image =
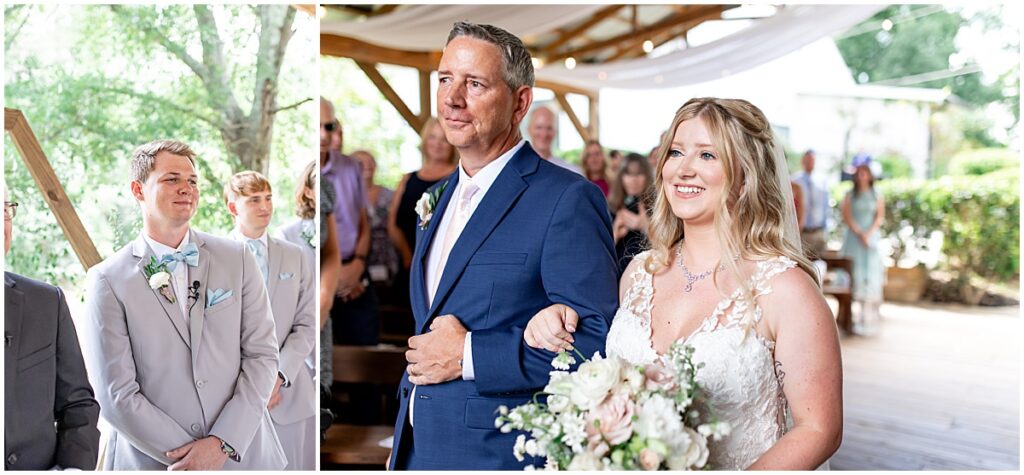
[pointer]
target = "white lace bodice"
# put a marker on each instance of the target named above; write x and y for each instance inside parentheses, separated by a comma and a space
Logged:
(739, 377)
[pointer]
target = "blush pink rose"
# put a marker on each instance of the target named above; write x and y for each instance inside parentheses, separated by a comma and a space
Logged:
(615, 414)
(659, 378)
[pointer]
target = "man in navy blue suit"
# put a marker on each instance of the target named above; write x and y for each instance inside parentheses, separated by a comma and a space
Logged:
(503, 237)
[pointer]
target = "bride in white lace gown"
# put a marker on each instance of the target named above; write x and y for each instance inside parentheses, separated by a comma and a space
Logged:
(757, 321)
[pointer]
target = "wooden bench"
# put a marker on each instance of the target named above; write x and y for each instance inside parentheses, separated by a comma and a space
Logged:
(358, 445)
(842, 293)
(355, 445)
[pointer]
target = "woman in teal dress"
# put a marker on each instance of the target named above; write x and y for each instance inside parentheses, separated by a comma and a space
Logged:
(863, 211)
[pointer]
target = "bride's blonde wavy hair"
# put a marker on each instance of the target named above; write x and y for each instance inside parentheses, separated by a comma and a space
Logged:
(750, 219)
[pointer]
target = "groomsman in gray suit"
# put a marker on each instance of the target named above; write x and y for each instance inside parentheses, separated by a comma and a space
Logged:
(50, 414)
(179, 338)
(292, 286)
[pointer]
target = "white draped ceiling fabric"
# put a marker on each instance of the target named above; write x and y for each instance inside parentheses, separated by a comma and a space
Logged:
(425, 28)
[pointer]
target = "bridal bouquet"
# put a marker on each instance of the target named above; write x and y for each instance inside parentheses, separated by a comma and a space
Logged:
(612, 415)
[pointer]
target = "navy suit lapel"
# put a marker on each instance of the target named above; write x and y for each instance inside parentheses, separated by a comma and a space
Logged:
(418, 274)
(500, 198)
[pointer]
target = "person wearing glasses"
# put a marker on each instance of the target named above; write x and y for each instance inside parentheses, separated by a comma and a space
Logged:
(50, 412)
(354, 314)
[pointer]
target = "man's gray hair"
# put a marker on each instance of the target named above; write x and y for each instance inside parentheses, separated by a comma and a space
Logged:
(518, 67)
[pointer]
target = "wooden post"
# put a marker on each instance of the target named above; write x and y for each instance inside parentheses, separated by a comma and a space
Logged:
(560, 96)
(592, 124)
(382, 84)
(53, 192)
(425, 109)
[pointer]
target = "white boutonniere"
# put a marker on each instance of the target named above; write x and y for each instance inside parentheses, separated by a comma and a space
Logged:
(427, 203)
(159, 278)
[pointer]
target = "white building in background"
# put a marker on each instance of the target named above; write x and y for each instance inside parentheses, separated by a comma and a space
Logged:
(810, 98)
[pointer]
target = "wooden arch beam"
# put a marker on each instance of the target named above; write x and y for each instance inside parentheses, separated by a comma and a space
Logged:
(53, 192)
(699, 12)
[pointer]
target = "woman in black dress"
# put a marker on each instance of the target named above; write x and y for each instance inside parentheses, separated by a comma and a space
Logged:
(439, 160)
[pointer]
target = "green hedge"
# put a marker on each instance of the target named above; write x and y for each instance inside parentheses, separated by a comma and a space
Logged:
(979, 217)
(983, 161)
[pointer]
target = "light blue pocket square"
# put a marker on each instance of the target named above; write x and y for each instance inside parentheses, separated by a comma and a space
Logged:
(214, 297)
(285, 275)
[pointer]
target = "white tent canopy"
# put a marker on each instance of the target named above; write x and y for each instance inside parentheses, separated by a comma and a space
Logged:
(425, 28)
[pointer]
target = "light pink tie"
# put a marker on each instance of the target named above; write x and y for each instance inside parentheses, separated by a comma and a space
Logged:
(452, 234)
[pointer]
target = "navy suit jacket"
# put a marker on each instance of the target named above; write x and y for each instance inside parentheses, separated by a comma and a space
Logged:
(541, 235)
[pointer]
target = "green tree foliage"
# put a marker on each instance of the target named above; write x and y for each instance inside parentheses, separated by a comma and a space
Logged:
(922, 40)
(92, 88)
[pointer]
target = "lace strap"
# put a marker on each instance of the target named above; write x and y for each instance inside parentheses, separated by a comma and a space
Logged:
(738, 310)
(638, 296)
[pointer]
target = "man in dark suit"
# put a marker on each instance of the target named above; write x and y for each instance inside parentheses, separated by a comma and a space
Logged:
(50, 413)
(503, 237)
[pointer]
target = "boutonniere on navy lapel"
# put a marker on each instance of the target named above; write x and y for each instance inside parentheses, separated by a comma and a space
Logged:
(427, 203)
(159, 278)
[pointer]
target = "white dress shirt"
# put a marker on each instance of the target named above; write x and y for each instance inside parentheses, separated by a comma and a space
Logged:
(483, 179)
(179, 276)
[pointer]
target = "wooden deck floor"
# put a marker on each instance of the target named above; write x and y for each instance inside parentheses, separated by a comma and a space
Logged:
(937, 389)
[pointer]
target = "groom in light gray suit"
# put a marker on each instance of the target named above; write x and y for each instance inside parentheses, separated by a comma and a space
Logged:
(291, 285)
(179, 338)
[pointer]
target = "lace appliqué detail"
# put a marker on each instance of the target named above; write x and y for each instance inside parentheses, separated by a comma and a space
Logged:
(740, 377)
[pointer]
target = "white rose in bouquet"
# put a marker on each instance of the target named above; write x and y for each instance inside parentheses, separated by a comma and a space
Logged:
(593, 380)
(586, 461)
(658, 418)
(692, 451)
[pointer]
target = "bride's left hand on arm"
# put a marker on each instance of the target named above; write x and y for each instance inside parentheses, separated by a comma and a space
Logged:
(551, 329)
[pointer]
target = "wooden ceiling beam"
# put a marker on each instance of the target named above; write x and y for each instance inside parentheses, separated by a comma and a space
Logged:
(344, 47)
(636, 52)
(701, 12)
(575, 31)
(384, 10)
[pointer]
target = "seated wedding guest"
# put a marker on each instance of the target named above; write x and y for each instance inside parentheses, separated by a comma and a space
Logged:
(290, 282)
(50, 413)
(439, 159)
(543, 127)
(383, 259)
(594, 165)
(629, 205)
(178, 335)
(354, 314)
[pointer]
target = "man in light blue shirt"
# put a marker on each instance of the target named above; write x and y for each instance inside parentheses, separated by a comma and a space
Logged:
(816, 208)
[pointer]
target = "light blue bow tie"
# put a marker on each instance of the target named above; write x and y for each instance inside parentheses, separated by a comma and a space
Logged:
(255, 246)
(190, 256)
